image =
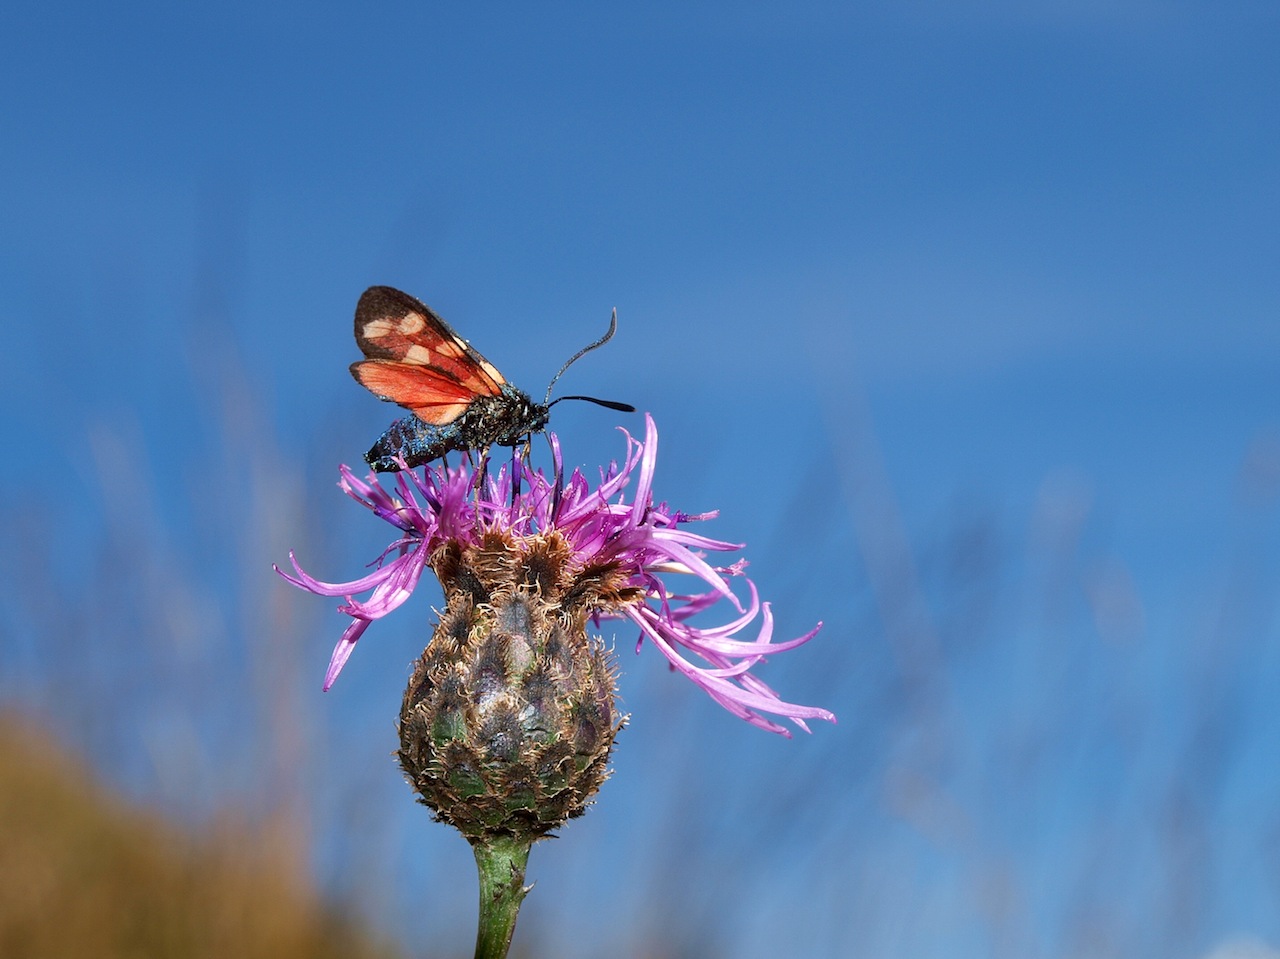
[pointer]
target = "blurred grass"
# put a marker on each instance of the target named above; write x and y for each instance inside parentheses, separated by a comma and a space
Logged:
(84, 873)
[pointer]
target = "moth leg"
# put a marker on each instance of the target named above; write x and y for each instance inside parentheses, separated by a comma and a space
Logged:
(480, 471)
(516, 473)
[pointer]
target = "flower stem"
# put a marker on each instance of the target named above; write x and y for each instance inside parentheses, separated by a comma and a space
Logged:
(501, 862)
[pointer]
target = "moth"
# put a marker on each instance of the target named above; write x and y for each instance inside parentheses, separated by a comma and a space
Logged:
(458, 399)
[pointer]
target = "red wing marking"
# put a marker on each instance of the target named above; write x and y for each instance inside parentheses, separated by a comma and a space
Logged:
(432, 397)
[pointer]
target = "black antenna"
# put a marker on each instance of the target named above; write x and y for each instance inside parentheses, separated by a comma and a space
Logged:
(611, 404)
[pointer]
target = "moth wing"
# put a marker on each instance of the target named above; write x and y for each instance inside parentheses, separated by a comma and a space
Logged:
(394, 326)
(430, 395)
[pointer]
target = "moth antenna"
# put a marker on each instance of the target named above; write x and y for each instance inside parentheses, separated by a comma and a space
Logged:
(613, 328)
(610, 404)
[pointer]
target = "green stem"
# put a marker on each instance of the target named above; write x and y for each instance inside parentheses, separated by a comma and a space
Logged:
(501, 861)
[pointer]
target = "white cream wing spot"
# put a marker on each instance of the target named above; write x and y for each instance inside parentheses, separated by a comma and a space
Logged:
(492, 371)
(412, 323)
(377, 329)
(418, 354)
(450, 349)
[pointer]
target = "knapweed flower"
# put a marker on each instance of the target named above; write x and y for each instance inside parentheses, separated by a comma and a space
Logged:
(509, 677)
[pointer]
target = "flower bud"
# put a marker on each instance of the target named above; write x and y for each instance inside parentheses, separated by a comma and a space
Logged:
(509, 716)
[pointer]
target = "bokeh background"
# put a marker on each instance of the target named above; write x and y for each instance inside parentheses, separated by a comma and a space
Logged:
(966, 315)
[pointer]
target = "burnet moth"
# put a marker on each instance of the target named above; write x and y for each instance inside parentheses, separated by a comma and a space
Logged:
(459, 400)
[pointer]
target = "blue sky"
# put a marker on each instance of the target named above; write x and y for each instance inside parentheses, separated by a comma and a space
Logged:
(999, 257)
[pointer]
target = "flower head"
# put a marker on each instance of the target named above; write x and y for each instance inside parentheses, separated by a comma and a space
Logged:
(631, 553)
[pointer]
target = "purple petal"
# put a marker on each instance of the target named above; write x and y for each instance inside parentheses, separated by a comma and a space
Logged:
(312, 585)
(342, 652)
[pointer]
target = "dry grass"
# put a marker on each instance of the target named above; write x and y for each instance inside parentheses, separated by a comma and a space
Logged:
(83, 873)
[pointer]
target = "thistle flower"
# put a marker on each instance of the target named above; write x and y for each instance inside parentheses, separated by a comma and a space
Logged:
(635, 547)
(510, 715)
